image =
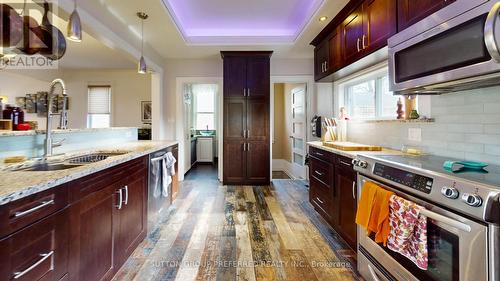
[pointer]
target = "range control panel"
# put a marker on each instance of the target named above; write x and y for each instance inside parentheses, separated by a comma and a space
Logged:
(412, 180)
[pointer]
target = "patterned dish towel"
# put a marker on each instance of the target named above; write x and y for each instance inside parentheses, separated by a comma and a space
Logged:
(408, 234)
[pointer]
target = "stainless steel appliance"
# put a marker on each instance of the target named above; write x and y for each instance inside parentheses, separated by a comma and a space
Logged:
(157, 205)
(463, 211)
(456, 48)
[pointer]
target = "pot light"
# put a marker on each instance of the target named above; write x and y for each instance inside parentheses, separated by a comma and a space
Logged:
(74, 26)
(323, 18)
(142, 67)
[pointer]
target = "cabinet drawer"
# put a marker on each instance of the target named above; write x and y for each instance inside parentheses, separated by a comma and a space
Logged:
(38, 252)
(321, 198)
(25, 211)
(344, 162)
(322, 171)
(321, 154)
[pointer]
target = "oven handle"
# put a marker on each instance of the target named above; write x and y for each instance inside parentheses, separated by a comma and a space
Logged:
(489, 32)
(440, 218)
(373, 273)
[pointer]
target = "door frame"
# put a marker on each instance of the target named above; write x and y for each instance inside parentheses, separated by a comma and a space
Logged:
(179, 111)
(309, 81)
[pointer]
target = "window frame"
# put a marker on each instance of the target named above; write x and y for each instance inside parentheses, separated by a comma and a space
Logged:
(196, 112)
(110, 114)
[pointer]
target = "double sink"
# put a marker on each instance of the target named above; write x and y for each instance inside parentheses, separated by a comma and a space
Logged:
(71, 162)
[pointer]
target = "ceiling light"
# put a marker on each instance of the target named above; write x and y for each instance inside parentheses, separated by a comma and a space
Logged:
(74, 27)
(142, 67)
(323, 18)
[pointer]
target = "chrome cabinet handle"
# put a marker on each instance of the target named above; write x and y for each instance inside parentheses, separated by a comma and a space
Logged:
(372, 272)
(318, 173)
(319, 154)
(20, 274)
(490, 32)
(345, 163)
(354, 190)
(248, 146)
(357, 45)
(126, 195)
(244, 92)
(248, 92)
(24, 213)
(319, 200)
(364, 46)
(120, 200)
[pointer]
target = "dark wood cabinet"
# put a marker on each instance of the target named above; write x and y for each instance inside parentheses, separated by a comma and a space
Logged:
(410, 12)
(379, 23)
(345, 182)
(321, 60)
(352, 36)
(37, 252)
(246, 118)
(336, 51)
(332, 182)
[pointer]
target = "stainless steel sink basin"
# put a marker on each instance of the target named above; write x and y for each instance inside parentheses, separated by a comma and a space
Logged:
(92, 157)
(49, 167)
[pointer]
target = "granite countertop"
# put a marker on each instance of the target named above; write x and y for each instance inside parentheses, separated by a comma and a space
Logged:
(15, 185)
(66, 131)
(353, 154)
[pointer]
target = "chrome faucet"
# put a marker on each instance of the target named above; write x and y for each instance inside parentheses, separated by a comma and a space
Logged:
(63, 121)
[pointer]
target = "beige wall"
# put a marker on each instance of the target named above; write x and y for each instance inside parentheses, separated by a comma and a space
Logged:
(279, 120)
(128, 90)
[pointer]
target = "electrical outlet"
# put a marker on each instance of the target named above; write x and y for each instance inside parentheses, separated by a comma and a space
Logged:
(415, 134)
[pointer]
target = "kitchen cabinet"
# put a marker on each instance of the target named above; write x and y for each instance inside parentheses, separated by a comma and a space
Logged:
(37, 252)
(336, 57)
(410, 12)
(204, 149)
(379, 23)
(332, 191)
(321, 60)
(246, 118)
(193, 151)
(352, 35)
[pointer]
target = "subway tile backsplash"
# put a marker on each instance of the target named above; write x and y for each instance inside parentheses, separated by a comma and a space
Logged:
(467, 126)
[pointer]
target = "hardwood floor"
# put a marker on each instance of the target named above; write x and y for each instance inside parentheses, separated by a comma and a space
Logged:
(215, 232)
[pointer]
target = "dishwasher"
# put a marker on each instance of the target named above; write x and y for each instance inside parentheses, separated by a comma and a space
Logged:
(157, 205)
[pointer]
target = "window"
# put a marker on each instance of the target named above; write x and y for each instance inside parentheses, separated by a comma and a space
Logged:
(99, 107)
(204, 106)
(370, 98)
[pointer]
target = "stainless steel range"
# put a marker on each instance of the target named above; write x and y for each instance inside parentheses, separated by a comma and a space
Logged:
(463, 211)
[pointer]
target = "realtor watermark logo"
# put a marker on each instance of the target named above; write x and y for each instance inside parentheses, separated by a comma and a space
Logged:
(28, 38)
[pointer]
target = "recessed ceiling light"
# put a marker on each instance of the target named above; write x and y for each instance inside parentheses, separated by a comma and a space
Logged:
(323, 18)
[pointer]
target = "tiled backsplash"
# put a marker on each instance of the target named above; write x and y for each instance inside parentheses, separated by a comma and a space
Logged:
(32, 144)
(467, 126)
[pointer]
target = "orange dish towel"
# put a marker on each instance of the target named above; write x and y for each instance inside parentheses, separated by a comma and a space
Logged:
(373, 211)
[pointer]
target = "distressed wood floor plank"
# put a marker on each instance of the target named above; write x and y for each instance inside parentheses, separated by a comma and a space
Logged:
(245, 270)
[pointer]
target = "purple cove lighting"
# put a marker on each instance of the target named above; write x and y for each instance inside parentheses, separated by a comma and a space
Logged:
(208, 21)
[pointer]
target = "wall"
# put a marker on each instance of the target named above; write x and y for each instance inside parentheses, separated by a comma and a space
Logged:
(279, 120)
(467, 127)
(128, 90)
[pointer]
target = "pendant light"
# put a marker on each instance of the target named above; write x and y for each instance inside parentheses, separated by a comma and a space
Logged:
(142, 68)
(74, 27)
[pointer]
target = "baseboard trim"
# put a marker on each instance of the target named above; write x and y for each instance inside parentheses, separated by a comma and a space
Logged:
(282, 165)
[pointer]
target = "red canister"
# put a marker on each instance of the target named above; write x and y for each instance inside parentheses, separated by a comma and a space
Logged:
(15, 114)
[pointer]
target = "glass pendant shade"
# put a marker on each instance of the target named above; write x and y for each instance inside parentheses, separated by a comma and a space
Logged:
(74, 27)
(142, 68)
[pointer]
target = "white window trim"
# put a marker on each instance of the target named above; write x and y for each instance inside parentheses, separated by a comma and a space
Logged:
(195, 113)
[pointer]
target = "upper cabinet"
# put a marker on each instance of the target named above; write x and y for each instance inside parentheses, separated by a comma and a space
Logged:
(246, 76)
(411, 11)
(363, 27)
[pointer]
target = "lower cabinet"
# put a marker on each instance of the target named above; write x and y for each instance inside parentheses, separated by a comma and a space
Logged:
(333, 191)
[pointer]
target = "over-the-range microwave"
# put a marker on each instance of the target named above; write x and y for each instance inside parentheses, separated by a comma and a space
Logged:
(456, 48)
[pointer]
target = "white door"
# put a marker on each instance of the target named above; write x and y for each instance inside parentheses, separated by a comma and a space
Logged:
(298, 137)
(188, 98)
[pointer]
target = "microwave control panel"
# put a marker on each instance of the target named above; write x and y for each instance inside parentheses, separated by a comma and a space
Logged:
(409, 179)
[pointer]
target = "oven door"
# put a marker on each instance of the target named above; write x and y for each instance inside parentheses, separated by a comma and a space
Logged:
(461, 48)
(457, 248)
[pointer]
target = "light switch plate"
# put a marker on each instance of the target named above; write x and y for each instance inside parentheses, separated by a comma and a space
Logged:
(415, 134)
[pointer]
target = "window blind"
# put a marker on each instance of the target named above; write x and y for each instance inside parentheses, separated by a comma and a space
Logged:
(99, 100)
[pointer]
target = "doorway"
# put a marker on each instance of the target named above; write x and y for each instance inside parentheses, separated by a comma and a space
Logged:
(289, 131)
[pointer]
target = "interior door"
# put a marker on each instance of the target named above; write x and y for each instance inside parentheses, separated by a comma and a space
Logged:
(299, 130)
(188, 116)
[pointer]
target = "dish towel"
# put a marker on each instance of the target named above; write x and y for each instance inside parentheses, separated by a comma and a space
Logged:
(168, 170)
(408, 234)
(373, 211)
(156, 173)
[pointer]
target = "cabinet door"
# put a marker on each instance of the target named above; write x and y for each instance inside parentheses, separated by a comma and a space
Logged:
(258, 77)
(411, 11)
(92, 235)
(321, 59)
(234, 162)
(346, 185)
(258, 162)
(130, 222)
(257, 119)
(336, 56)
(353, 33)
(38, 252)
(235, 113)
(204, 150)
(235, 76)
(379, 23)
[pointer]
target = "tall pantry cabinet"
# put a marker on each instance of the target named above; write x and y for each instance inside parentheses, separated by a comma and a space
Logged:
(246, 118)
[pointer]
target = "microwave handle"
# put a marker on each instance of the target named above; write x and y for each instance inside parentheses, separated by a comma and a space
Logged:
(490, 32)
